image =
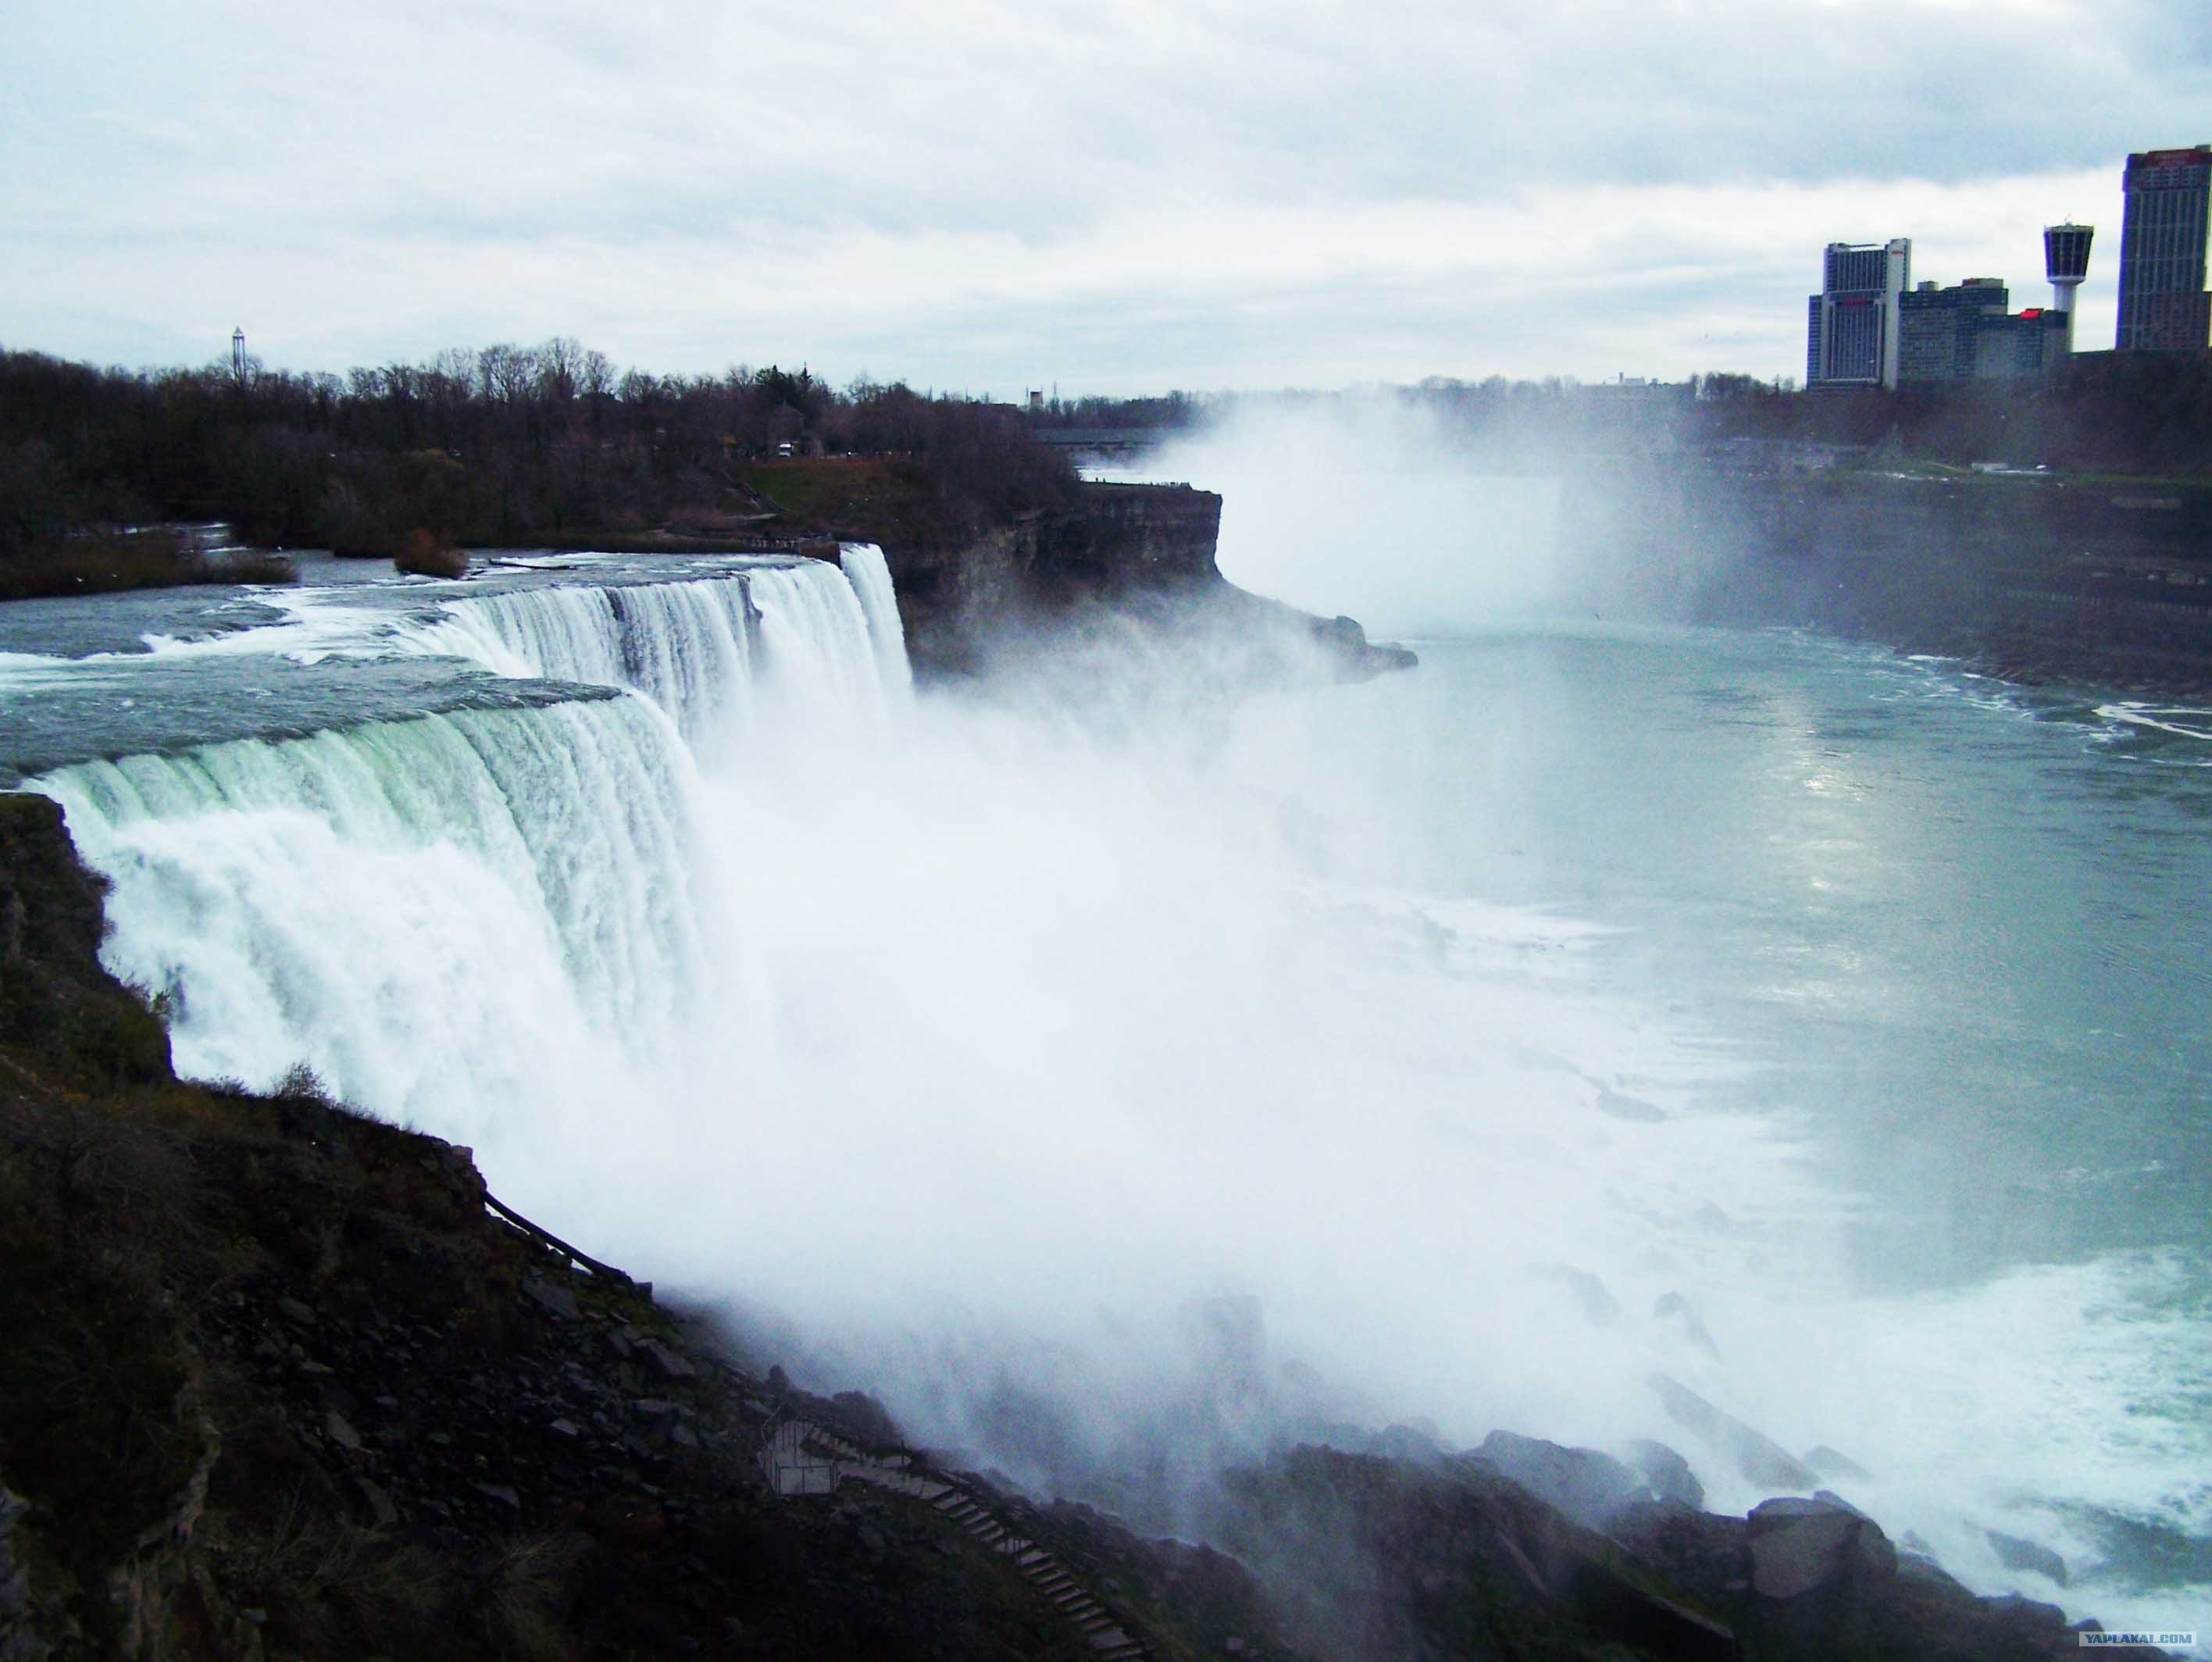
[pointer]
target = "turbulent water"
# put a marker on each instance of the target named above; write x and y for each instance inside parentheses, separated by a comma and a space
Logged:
(1845, 1011)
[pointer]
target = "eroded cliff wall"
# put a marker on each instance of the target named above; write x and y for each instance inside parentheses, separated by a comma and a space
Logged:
(2043, 578)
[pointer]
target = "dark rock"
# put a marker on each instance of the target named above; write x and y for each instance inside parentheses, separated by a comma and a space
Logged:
(1758, 1458)
(558, 1300)
(2024, 1615)
(1408, 1443)
(292, 1310)
(1821, 1579)
(1598, 1304)
(382, 1513)
(671, 1365)
(1666, 1473)
(1672, 1306)
(869, 1420)
(501, 1492)
(335, 1429)
(1587, 1486)
(1620, 1106)
(1830, 1463)
(2015, 1553)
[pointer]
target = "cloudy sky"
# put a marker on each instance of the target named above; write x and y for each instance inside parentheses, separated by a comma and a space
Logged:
(1120, 196)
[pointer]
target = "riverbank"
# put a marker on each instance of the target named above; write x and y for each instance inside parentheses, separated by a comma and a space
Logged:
(2033, 577)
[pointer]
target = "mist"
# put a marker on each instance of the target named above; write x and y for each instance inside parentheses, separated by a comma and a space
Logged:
(1115, 1095)
(1375, 508)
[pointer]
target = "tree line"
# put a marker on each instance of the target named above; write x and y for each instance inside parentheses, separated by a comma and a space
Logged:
(482, 446)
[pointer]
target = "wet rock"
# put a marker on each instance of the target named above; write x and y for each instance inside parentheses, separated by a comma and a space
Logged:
(558, 1301)
(18, 1640)
(1829, 1463)
(2020, 1615)
(1821, 1579)
(1667, 1474)
(1408, 1443)
(1597, 1303)
(1617, 1105)
(1757, 1457)
(2016, 1553)
(381, 1511)
(1587, 1486)
(628, 1520)
(1674, 1308)
(869, 1418)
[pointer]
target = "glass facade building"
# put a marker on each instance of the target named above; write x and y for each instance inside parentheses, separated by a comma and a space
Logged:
(1851, 327)
(2163, 233)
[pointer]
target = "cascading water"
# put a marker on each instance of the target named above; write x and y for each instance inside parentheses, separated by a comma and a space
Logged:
(430, 914)
(817, 643)
(976, 1054)
(870, 574)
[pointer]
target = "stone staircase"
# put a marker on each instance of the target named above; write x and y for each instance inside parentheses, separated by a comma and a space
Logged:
(799, 1457)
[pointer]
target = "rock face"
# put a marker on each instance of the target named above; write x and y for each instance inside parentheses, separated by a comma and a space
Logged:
(1821, 1576)
(1667, 1474)
(1121, 558)
(2014, 1553)
(54, 991)
(1759, 1456)
(1587, 1487)
(2038, 580)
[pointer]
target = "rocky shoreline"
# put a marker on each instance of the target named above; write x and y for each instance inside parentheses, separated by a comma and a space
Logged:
(283, 1381)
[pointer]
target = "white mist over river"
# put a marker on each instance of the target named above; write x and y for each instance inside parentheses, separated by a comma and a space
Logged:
(959, 1050)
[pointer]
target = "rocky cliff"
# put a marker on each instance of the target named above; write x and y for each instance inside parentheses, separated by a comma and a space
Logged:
(1134, 556)
(2036, 578)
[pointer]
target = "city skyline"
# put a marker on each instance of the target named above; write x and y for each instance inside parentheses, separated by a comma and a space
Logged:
(986, 199)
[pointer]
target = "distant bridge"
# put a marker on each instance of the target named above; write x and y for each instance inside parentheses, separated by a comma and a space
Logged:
(1105, 438)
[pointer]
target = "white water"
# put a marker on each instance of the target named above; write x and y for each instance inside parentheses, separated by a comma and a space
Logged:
(971, 1050)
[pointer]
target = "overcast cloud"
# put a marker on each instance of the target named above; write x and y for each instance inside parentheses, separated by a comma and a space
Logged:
(1118, 196)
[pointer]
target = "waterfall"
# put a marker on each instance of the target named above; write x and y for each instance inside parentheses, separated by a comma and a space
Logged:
(454, 916)
(817, 644)
(507, 926)
(686, 646)
(870, 574)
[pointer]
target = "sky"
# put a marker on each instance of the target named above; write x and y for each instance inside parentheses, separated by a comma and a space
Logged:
(1120, 197)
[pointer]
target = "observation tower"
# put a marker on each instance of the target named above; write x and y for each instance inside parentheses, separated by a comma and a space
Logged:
(2065, 264)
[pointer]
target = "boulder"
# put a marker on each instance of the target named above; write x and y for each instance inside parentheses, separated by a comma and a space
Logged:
(1597, 1303)
(1829, 1463)
(1821, 1579)
(1587, 1486)
(1667, 1474)
(1620, 1106)
(2015, 1553)
(1757, 1457)
(1675, 1309)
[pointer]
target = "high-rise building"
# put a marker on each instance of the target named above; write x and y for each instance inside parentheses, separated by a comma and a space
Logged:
(2163, 230)
(1851, 327)
(1965, 333)
(1937, 327)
